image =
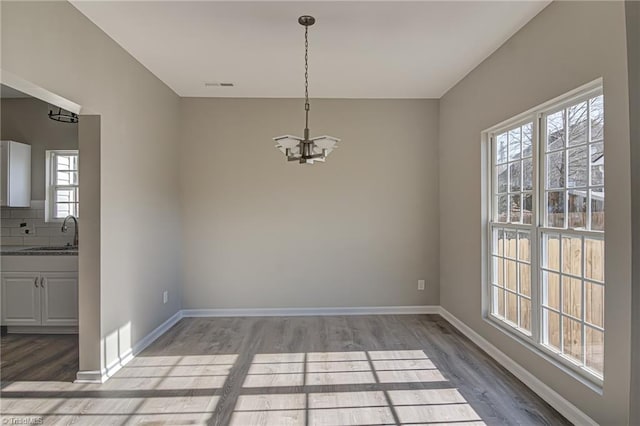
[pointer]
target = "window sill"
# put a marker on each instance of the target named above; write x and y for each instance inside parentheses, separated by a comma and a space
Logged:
(573, 370)
(54, 221)
(59, 220)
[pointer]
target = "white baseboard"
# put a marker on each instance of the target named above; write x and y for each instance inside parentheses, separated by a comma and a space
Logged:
(116, 365)
(290, 312)
(139, 346)
(553, 398)
(88, 376)
(142, 344)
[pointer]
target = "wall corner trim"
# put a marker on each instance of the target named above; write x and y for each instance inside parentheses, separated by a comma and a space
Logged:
(553, 398)
(287, 312)
(102, 376)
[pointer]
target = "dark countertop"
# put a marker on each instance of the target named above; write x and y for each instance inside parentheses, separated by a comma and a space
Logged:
(37, 251)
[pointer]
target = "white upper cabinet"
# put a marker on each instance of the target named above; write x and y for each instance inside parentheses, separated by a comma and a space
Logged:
(15, 180)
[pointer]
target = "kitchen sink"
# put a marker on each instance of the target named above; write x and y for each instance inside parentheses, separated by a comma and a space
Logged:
(52, 248)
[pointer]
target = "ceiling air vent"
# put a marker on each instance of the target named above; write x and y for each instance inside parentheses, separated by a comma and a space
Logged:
(216, 84)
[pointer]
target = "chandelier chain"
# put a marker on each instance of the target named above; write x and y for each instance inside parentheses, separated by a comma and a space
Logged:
(306, 75)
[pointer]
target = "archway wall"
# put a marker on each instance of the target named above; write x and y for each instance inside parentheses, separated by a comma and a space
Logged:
(54, 46)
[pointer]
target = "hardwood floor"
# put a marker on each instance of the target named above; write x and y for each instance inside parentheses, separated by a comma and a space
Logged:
(38, 357)
(343, 370)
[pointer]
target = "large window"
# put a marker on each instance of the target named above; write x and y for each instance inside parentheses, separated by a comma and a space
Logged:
(547, 229)
(62, 184)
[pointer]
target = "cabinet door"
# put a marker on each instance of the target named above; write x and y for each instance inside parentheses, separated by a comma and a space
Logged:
(4, 171)
(21, 298)
(60, 298)
(16, 174)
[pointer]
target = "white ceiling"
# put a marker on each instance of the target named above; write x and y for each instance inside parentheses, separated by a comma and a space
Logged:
(357, 49)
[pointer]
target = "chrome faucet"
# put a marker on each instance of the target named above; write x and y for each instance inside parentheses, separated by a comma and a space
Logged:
(64, 228)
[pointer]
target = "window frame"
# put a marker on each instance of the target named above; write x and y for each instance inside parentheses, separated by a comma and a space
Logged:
(536, 229)
(515, 226)
(51, 182)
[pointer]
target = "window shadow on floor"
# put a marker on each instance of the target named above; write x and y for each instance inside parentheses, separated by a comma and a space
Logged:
(311, 371)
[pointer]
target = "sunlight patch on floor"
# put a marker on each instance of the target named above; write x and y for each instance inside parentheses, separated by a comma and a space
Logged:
(185, 390)
(375, 369)
(355, 408)
(163, 390)
(432, 405)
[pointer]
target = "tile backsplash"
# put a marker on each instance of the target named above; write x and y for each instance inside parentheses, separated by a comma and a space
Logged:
(40, 232)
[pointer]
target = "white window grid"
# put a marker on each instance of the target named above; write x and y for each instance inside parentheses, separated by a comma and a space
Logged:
(590, 142)
(513, 226)
(501, 259)
(53, 187)
(516, 191)
(537, 228)
(564, 274)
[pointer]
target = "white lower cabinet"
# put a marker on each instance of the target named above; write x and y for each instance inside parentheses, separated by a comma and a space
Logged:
(21, 298)
(40, 299)
(59, 298)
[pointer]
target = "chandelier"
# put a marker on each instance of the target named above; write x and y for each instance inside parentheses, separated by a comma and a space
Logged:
(63, 116)
(306, 150)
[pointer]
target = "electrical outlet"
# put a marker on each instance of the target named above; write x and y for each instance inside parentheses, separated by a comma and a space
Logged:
(26, 229)
(165, 296)
(420, 284)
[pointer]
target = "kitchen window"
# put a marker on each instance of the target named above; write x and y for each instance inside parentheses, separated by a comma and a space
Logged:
(546, 230)
(62, 184)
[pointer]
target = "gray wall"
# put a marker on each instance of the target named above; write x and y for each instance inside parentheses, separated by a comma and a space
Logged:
(566, 45)
(358, 230)
(54, 46)
(26, 121)
(633, 51)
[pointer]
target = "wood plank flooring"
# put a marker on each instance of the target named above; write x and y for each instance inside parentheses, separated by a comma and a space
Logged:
(342, 370)
(38, 357)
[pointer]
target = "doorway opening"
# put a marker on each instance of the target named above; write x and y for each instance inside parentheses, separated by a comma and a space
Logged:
(49, 314)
